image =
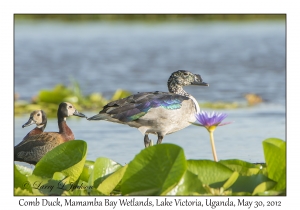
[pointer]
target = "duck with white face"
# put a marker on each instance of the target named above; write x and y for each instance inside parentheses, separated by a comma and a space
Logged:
(158, 113)
(39, 118)
(34, 147)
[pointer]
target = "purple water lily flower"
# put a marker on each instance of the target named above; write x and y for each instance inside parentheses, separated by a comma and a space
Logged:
(211, 121)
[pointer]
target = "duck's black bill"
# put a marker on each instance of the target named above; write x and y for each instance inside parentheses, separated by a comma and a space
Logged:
(198, 81)
(78, 114)
(201, 84)
(29, 122)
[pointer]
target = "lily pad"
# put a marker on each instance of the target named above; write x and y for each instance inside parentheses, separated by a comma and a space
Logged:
(188, 185)
(87, 170)
(154, 171)
(281, 184)
(248, 183)
(275, 157)
(24, 170)
(210, 172)
(231, 180)
(109, 184)
(265, 186)
(242, 167)
(67, 158)
(21, 182)
(103, 167)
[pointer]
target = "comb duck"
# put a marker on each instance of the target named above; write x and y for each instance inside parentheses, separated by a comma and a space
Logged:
(158, 113)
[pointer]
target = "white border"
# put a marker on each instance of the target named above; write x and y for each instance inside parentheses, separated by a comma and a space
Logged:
(8, 8)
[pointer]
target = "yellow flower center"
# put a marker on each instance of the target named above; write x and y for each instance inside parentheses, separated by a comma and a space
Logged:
(211, 128)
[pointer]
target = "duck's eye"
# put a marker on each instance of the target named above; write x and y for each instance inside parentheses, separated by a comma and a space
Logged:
(70, 107)
(38, 114)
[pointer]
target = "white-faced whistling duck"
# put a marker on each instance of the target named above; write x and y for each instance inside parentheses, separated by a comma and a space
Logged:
(39, 118)
(34, 147)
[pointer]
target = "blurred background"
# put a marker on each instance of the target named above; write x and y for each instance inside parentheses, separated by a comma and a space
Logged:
(89, 60)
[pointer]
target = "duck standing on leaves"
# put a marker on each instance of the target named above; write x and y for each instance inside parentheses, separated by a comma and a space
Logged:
(158, 113)
(34, 147)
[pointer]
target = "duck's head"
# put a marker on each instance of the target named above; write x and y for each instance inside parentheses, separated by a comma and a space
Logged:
(66, 109)
(37, 117)
(184, 78)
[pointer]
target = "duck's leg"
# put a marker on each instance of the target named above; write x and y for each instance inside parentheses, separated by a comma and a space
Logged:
(159, 140)
(147, 141)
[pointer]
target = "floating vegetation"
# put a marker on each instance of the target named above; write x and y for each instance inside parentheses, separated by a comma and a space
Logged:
(252, 99)
(65, 171)
(48, 100)
(221, 105)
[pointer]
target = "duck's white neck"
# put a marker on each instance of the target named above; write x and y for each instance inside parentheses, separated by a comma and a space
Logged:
(196, 104)
(180, 91)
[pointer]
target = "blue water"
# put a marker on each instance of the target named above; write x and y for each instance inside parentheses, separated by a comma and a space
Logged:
(234, 58)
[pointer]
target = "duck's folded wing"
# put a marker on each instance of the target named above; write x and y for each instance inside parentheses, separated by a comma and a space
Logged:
(136, 106)
(37, 140)
(33, 148)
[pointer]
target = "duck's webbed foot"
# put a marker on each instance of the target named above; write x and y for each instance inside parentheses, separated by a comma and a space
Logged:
(147, 141)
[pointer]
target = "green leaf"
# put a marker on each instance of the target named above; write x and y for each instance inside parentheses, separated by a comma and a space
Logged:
(24, 170)
(231, 180)
(67, 158)
(273, 193)
(242, 167)
(263, 187)
(109, 184)
(154, 171)
(21, 182)
(58, 176)
(216, 191)
(281, 184)
(248, 183)
(275, 157)
(103, 167)
(59, 185)
(21, 192)
(210, 172)
(188, 185)
(241, 193)
(46, 186)
(87, 170)
(81, 188)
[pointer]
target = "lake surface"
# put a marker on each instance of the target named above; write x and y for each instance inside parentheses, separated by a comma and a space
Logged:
(234, 58)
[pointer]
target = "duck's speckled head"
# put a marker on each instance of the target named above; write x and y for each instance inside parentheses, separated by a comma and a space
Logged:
(184, 78)
(181, 78)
